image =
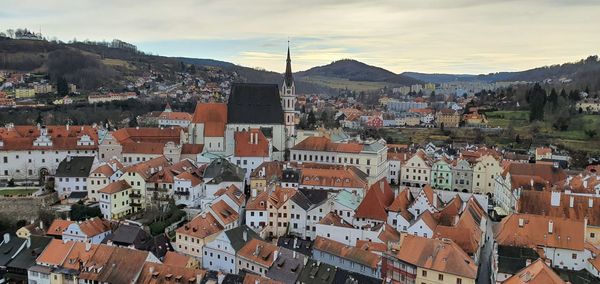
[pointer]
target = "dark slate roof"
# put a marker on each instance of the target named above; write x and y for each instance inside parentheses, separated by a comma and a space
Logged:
(75, 167)
(287, 266)
(254, 104)
(316, 196)
(301, 199)
(7, 250)
(26, 258)
(78, 194)
(157, 245)
(126, 235)
(293, 243)
(512, 259)
(314, 273)
(233, 278)
(222, 170)
(288, 78)
(346, 277)
(235, 236)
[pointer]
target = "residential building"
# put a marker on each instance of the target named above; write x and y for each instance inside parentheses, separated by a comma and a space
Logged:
(347, 257)
(34, 152)
(101, 176)
(71, 176)
(256, 256)
(191, 237)
(447, 118)
(219, 254)
(115, 201)
(441, 174)
(462, 176)
(369, 157)
(421, 260)
(90, 231)
(252, 148)
(416, 171)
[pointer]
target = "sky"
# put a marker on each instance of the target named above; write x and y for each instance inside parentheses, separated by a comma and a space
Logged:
(434, 36)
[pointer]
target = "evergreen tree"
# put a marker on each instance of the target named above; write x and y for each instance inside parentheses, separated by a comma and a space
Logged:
(311, 120)
(537, 100)
(553, 98)
(62, 87)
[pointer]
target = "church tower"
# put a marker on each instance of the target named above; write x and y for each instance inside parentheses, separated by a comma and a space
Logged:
(288, 101)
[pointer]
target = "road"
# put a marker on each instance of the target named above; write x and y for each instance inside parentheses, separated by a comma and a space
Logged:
(484, 273)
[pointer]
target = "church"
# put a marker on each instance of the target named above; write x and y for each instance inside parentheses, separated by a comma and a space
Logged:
(250, 106)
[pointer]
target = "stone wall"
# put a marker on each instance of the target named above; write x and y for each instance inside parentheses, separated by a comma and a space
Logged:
(26, 208)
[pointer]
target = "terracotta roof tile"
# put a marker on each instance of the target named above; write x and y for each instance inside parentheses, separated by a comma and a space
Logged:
(201, 226)
(324, 144)
(535, 273)
(213, 116)
(379, 197)
(252, 143)
(114, 187)
(436, 254)
(534, 232)
(258, 251)
(58, 226)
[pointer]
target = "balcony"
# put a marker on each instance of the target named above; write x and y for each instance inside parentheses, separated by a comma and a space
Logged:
(135, 195)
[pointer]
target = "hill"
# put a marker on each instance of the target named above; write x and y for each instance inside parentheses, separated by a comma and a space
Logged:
(582, 73)
(89, 66)
(357, 71)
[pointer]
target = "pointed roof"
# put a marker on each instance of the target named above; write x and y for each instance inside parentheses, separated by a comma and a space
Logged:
(378, 198)
(288, 79)
(537, 272)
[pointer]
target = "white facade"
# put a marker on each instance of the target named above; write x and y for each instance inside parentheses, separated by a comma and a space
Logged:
(219, 255)
(74, 233)
(65, 185)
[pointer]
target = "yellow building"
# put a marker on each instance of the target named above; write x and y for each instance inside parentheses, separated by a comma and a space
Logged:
(24, 93)
(429, 87)
(191, 237)
(447, 117)
(475, 120)
(115, 200)
(136, 176)
(28, 230)
(485, 172)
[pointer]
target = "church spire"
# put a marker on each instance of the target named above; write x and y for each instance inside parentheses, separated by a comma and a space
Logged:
(288, 79)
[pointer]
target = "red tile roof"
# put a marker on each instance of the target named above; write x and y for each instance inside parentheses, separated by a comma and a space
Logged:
(156, 273)
(22, 137)
(324, 144)
(201, 226)
(436, 254)
(58, 226)
(252, 143)
(379, 197)
(213, 116)
(259, 252)
(535, 273)
(114, 187)
(534, 232)
(94, 226)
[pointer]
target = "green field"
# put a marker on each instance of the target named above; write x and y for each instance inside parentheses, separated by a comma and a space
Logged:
(574, 138)
(339, 83)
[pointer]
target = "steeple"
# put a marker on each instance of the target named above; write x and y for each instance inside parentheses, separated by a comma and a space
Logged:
(288, 79)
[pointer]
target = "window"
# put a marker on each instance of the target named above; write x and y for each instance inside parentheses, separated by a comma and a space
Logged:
(592, 235)
(574, 256)
(424, 274)
(441, 277)
(458, 281)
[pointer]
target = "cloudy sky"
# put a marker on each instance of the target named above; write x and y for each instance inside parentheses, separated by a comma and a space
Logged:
(442, 36)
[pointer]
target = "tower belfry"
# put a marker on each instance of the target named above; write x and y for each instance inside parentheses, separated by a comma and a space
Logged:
(288, 100)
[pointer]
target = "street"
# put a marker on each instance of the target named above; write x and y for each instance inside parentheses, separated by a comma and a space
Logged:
(484, 273)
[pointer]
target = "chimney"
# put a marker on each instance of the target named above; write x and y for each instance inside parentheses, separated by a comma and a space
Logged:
(590, 202)
(571, 201)
(531, 182)
(41, 225)
(381, 185)
(521, 222)
(275, 255)
(527, 262)
(245, 235)
(67, 127)
(6, 238)
(29, 242)
(294, 254)
(550, 227)
(88, 246)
